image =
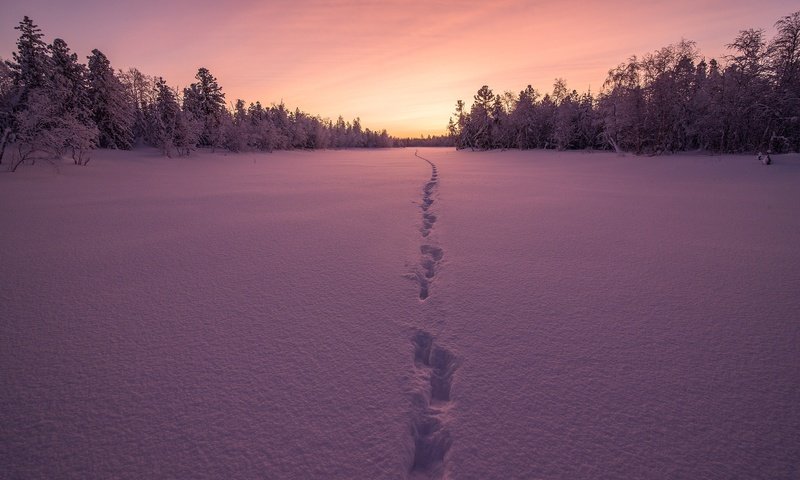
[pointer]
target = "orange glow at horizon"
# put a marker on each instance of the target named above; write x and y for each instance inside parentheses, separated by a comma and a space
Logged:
(396, 65)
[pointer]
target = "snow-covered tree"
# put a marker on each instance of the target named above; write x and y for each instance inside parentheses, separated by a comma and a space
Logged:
(50, 105)
(205, 101)
(747, 108)
(784, 62)
(281, 127)
(50, 114)
(500, 131)
(318, 134)
(45, 131)
(141, 89)
(112, 106)
(589, 127)
(299, 132)
(669, 100)
(69, 93)
(71, 79)
(174, 131)
(523, 118)
(7, 103)
(622, 107)
(480, 116)
(31, 65)
(235, 129)
(29, 69)
(565, 123)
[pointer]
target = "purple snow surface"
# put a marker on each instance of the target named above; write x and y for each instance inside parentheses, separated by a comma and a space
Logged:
(260, 316)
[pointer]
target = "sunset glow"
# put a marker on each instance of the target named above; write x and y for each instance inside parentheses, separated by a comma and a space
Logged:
(396, 65)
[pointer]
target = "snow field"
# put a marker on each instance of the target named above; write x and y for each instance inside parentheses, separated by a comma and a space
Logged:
(210, 317)
(621, 317)
(381, 314)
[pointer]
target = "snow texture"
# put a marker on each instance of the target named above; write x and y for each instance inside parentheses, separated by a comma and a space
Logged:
(381, 314)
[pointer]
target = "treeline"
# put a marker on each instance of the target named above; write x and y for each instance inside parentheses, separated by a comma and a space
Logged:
(425, 141)
(666, 101)
(52, 105)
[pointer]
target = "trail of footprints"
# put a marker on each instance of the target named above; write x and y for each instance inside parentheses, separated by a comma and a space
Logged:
(431, 255)
(434, 365)
(434, 368)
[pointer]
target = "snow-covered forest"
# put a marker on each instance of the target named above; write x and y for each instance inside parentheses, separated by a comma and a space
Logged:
(52, 105)
(669, 100)
(673, 99)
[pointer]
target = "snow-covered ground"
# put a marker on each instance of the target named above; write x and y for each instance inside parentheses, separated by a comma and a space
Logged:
(371, 314)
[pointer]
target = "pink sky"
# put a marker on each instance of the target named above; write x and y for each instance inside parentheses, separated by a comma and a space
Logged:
(399, 65)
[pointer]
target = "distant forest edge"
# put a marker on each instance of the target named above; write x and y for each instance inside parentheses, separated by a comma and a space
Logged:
(51, 105)
(667, 101)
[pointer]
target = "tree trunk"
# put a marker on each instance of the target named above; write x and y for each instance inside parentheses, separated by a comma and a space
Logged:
(614, 144)
(3, 143)
(19, 161)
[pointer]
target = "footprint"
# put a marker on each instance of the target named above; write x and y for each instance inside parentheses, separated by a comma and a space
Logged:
(429, 431)
(432, 257)
(443, 365)
(431, 443)
(423, 342)
(423, 287)
(428, 219)
(434, 252)
(430, 267)
(441, 362)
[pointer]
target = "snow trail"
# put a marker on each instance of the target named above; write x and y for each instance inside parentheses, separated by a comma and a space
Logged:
(431, 254)
(434, 365)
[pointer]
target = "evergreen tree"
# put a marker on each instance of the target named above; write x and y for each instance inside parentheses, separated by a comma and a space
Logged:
(589, 129)
(69, 95)
(70, 78)
(29, 69)
(355, 137)
(31, 64)
(174, 130)
(523, 118)
(459, 130)
(499, 130)
(50, 114)
(112, 106)
(281, 127)
(565, 123)
(237, 129)
(481, 119)
(708, 101)
(262, 131)
(299, 132)
(205, 101)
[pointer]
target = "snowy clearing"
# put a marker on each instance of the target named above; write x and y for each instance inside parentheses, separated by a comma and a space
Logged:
(381, 314)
